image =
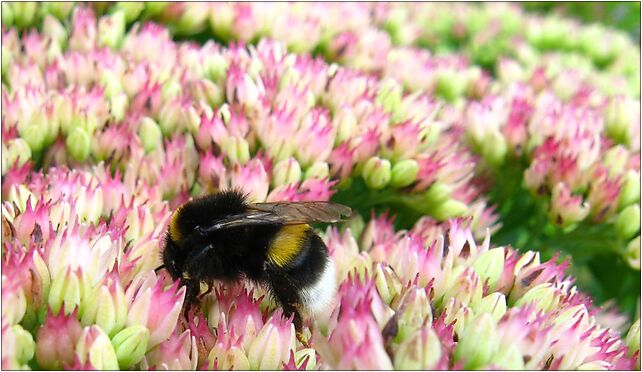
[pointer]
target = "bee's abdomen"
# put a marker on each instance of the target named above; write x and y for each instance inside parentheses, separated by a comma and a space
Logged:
(312, 272)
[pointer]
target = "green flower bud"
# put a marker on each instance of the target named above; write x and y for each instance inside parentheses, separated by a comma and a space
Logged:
(478, 354)
(494, 148)
(94, 346)
(510, 71)
(319, 170)
(216, 68)
(78, 144)
(389, 96)
(630, 191)
(208, 92)
(131, 10)
(449, 209)
(281, 150)
(111, 82)
(153, 8)
(632, 339)
(33, 133)
(437, 193)
(24, 13)
(107, 308)
(18, 151)
(193, 19)
(7, 57)
(118, 106)
(25, 345)
(226, 358)
(615, 159)
(289, 77)
(111, 30)
(551, 35)
(416, 313)
(590, 42)
(544, 296)
(345, 120)
(493, 304)
(632, 253)
(221, 21)
(150, 135)
(509, 358)
(421, 351)
(7, 16)
(5, 158)
(191, 120)
(628, 222)
(388, 283)
(171, 89)
(490, 265)
(89, 123)
(59, 9)
(237, 149)
(65, 290)
(285, 172)
(459, 314)
(376, 173)
(618, 118)
(130, 345)
(450, 84)
(404, 173)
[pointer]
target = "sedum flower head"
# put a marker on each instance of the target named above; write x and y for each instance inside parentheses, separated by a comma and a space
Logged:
(107, 129)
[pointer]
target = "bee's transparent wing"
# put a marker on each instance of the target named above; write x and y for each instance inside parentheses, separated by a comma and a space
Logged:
(286, 213)
(304, 212)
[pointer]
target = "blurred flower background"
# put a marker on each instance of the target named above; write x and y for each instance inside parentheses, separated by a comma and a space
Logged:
(491, 153)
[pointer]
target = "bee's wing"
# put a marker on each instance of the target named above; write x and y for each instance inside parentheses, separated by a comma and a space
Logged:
(286, 213)
(304, 212)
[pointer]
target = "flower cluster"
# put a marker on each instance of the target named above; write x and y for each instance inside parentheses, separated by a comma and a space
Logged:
(109, 124)
(237, 114)
(407, 299)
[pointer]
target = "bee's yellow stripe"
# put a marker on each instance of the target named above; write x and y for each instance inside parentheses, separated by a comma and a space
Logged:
(174, 230)
(286, 244)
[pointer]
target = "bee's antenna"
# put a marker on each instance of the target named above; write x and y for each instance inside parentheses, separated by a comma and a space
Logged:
(159, 268)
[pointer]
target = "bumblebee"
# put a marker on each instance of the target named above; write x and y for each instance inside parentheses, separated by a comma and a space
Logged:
(223, 237)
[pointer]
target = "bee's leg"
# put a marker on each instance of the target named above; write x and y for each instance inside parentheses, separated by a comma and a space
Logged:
(288, 297)
(191, 295)
(291, 309)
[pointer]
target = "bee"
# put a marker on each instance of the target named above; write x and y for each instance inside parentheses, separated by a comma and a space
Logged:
(223, 237)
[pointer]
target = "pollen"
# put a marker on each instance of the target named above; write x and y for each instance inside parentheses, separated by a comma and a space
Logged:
(286, 244)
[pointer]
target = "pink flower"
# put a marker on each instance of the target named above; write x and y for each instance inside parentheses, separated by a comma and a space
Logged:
(272, 346)
(153, 307)
(252, 179)
(83, 35)
(315, 138)
(212, 174)
(603, 194)
(565, 208)
(355, 341)
(178, 352)
(56, 340)
(95, 347)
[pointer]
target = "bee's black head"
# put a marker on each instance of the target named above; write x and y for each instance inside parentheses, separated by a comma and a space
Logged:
(173, 259)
